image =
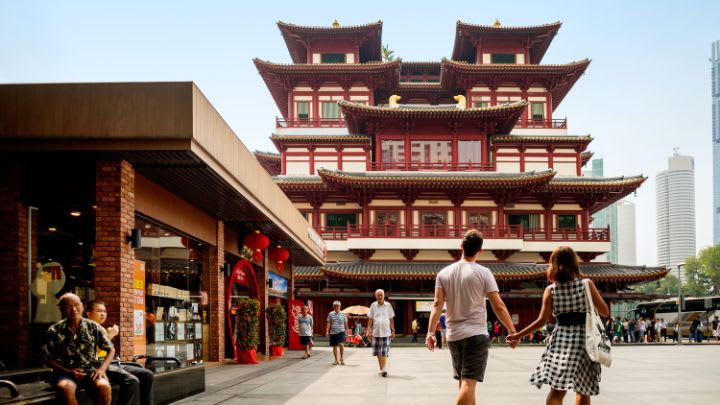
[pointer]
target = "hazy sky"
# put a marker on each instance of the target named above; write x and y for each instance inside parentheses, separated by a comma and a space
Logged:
(646, 91)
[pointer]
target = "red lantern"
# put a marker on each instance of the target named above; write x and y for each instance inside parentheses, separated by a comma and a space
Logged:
(257, 242)
(279, 255)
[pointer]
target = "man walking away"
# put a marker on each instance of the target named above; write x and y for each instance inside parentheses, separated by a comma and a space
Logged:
(414, 328)
(381, 326)
(337, 324)
(716, 329)
(464, 286)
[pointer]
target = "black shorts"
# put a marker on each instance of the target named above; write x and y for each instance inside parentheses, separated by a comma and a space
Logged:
(55, 378)
(305, 340)
(337, 339)
(469, 357)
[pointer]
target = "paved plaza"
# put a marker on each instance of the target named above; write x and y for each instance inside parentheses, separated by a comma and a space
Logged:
(640, 375)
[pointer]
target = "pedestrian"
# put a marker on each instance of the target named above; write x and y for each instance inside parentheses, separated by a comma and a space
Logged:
(716, 329)
(643, 329)
(337, 324)
(658, 330)
(618, 330)
(626, 329)
(663, 329)
(699, 332)
(305, 321)
(414, 327)
(650, 330)
(496, 332)
(631, 330)
(693, 330)
(136, 383)
(443, 328)
(71, 352)
(565, 363)
(381, 327)
(438, 335)
(464, 287)
(676, 333)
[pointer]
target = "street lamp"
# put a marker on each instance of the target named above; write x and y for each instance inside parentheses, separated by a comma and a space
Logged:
(679, 304)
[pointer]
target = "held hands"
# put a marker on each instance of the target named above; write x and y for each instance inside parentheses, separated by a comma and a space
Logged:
(513, 339)
(430, 342)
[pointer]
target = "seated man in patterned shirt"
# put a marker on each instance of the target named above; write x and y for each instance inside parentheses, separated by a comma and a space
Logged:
(71, 351)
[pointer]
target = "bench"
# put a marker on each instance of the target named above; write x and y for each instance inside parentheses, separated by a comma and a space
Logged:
(172, 383)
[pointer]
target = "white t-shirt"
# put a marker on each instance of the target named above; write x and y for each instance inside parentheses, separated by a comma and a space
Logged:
(466, 286)
(381, 316)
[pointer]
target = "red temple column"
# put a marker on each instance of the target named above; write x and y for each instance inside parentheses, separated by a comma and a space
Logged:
(339, 150)
(408, 155)
(311, 149)
(548, 224)
(500, 215)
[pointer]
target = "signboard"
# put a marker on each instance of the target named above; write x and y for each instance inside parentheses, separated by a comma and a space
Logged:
(318, 242)
(425, 306)
(138, 292)
(295, 311)
(279, 286)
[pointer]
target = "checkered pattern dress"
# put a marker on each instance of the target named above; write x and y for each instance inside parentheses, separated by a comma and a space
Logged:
(565, 364)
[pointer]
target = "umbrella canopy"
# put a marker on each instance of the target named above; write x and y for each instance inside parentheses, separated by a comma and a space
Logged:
(356, 310)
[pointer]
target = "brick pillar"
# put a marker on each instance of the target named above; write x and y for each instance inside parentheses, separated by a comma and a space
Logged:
(264, 343)
(216, 296)
(114, 220)
(14, 275)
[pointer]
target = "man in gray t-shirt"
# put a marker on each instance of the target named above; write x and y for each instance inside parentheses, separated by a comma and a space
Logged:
(464, 287)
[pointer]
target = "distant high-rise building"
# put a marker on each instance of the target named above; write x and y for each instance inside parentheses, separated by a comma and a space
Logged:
(675, 216)
(715, 60)
(624, 242)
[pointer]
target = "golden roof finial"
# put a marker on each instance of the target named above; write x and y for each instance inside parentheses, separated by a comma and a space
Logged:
(497, 23)
(336, 24)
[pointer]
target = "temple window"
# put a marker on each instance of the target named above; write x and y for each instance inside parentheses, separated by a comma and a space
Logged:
(332, 58)
(431, 152)
(528, 221)
(503, 58)
(433, 223)
(481, 104)
(567, 221)
(340, 219)
(387, 223)
(537, 111)
(303, 110)
(478, 219)
(330, 110)
(469, 153)
(392, 151)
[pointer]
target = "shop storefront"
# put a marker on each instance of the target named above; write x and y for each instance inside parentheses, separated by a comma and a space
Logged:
(138, 195)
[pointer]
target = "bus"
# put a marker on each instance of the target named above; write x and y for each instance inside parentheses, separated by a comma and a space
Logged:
(705, 309)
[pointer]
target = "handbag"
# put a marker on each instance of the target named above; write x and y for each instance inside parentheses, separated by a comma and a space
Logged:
(597, 343)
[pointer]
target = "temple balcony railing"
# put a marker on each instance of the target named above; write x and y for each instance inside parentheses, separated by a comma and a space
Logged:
(455, 232)
(281, 122)
(555, 123)
(426, 167)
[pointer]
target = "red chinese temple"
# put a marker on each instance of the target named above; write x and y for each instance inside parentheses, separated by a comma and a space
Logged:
(392, 161)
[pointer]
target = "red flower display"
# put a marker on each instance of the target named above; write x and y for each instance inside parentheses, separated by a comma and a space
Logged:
(257, 242)
(279, 255)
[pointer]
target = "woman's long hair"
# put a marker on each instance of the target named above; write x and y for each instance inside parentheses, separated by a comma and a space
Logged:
(564, 265)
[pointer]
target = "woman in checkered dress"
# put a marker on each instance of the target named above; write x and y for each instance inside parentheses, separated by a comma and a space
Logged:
(565, 363)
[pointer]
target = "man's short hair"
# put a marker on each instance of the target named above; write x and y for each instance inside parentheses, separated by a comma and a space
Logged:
(336, 303)
(472, 243)
(91, 305)
(68, 296)
(379, 290)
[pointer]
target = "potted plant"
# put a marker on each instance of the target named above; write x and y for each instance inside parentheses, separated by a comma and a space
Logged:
(277, 318)
(246, 331)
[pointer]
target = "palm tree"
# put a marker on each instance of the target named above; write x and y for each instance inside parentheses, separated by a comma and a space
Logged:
(387, 54)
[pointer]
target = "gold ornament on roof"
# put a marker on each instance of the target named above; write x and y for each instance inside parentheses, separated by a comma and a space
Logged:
(393, 101)
(497, 23)
(336, 24)
(461, 102)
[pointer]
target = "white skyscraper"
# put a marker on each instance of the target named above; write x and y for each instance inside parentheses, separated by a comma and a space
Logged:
(715, 72)
(675, 216)
(625, 235)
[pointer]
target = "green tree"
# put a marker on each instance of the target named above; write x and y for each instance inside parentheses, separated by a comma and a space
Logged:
(387, 54)
(702, 273)
(668, 285)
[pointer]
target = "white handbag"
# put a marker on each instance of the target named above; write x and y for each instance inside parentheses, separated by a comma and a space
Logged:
(597, 342)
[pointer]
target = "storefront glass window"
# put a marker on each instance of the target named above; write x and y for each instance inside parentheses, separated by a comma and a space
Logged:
(175, 295)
